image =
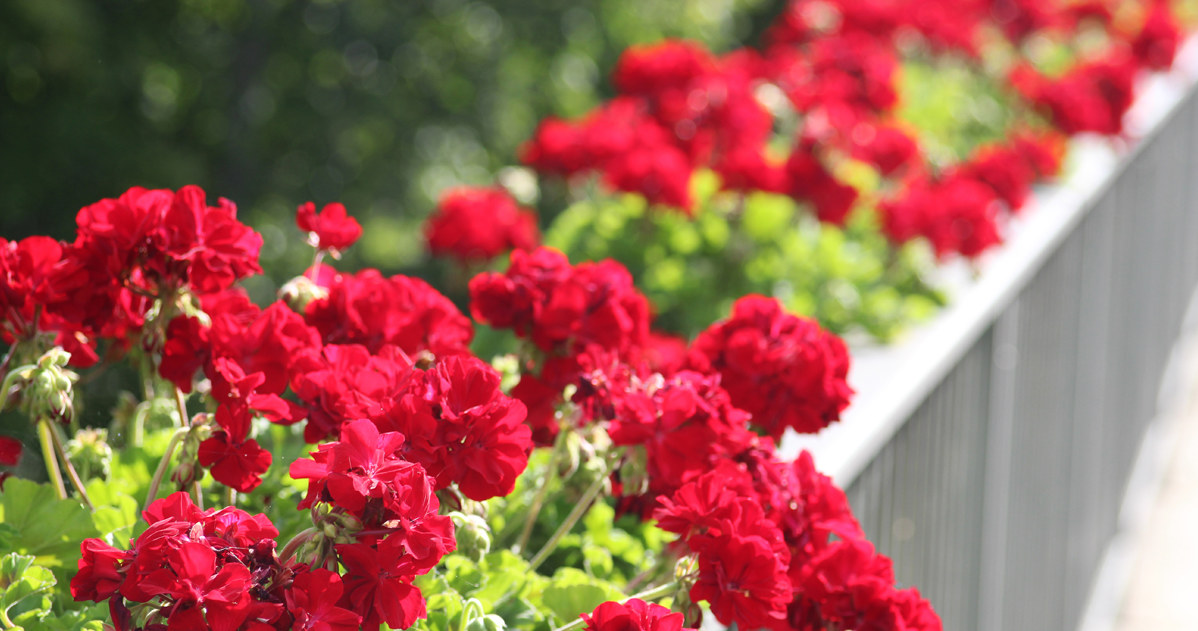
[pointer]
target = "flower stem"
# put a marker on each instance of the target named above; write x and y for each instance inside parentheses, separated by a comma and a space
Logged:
(162, 464)
(181, 403)
(539, 500)
(580, 509)
(72, 475)
(296, 542)
(20, 372)
(137, 434)
(44, 435)
(657, 592)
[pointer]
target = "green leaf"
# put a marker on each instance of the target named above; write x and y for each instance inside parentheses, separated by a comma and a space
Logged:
(46, 527)
(21, 580)
(116, 513)
(571, 592)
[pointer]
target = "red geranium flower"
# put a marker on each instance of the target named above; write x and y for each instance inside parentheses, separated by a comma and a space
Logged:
(478, 224)
(633, 615)
(332, 229)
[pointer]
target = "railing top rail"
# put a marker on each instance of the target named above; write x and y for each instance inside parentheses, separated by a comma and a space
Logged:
(891, 381)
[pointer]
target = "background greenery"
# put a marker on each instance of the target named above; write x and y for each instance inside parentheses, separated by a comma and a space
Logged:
(376, 103)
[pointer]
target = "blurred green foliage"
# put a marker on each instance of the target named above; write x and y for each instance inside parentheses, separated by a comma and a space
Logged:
(375, 103)
(692, 269)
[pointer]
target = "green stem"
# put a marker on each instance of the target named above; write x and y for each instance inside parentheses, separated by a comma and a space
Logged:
(138, 432)
(661, 591)
(539, 500)
(473, 609)
(580, 509)
(650, 573)
(181, 403)
(162, 464)
(293, 546)
(10, 378)
(44, 435)
(197, 494)
(72, 475)
(230, 496)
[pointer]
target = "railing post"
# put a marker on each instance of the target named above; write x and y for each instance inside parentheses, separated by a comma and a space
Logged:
(997, 485)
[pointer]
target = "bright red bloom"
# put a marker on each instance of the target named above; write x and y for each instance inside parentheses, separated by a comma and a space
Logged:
(342, 383)
(372, 310)
(853, 74)
(262, 341)
(784, 370)
(808, 180)
(478, 224)
(238, 464)
(365, 475)
(331, 229)
(563, 308)
(1004, 170)
(1093, 97)
(884, 146)
(196, 569)
(204, 595)
(1156, 44)
(633, 615)
(744, 580)
(463, 429)
(164, 240)
(378, 583)
(654, 69)
(661, 173)
(10, 451)
(685, 422)
(956, 214)
(312, 601)
(849, 583)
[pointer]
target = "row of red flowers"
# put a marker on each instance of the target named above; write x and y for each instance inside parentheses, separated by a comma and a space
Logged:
(382, 366)
(411, 426)
(681, 108)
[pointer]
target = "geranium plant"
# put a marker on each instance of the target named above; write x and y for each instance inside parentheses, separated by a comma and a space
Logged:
(363, 468)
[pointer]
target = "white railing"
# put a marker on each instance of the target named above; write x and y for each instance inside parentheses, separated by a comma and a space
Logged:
(988, 452)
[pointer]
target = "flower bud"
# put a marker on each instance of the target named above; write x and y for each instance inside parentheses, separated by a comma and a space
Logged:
(300, 291)
(489, 622)
(48, 387)
(473, 535)
(90, 453)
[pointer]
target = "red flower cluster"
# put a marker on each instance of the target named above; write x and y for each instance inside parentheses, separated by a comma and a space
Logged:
(462, 429)
(782, 369)
(398, 533)
(956, 214)
(478, 224)
(1093, 97)
(455, 420)
(685, 422)
(778, 548)
(681, 108)
(564, 310)
(633, 615)
(369, 309)
(126, 252)
(214, 569)
(10, 455)
(258, 340)
(235, 459)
